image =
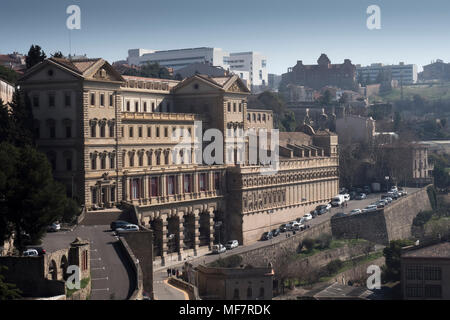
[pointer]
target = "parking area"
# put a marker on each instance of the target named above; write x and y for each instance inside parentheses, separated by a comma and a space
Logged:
(110, 273)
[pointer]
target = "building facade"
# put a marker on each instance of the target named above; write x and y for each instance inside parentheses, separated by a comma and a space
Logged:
(322, 74)
(115, 139)
(403, 73)
(249, 66)
(425, 272)
(6, 91)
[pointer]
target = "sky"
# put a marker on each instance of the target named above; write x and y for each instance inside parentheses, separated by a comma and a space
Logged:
(412, 31)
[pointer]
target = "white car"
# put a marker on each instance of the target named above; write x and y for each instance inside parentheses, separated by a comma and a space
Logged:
(128, 227)
(328, 206)
(394, 189)
(232, 244)
(308, 216)
(218, 248)
(355, 211)
(54, 227)
(346, 197)
(298, 226)
(30, 253)
(370, 208)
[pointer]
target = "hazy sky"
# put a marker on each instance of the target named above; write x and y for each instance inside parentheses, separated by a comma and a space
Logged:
(413, 31)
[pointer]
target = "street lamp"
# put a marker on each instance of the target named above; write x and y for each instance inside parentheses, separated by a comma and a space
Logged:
(270, 223)
(387, 179)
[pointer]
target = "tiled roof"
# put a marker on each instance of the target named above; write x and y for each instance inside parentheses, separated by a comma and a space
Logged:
(440, 250)
(80, 66)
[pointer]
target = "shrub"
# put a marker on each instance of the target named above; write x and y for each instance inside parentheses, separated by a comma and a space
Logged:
(333, 267)
(228, 262)
(422, 218)
(324, 241)
(308, 243)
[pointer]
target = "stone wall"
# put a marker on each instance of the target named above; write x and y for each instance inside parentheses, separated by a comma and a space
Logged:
(357, 273)
(135, 264)
(264, 255)
(141, 245)
(392, 223)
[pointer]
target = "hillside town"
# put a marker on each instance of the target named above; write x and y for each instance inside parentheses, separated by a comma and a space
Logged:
(198, 174)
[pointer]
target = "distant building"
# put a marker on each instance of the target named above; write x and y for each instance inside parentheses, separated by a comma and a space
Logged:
(425, 272)
(247, 283)
(250, 66)
(252, 62)
(201, 68)
(353, 129)
(6, 91)
(273, 81)
(437, 70)
(322, 74)
(300, 94)
(13, 61)
(400, 72)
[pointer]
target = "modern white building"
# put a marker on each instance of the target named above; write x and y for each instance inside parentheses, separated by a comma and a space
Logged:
(252, 62)
(249, 66)
(406, 73)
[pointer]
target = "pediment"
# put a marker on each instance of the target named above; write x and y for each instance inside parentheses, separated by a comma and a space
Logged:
(103, 71)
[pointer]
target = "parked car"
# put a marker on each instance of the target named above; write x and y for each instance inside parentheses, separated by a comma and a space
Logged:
(346, 197)
(54, 227)
(404, 192)
(355, 211)
(282, 228)
(328, 206)
(380, 204)
(41, 251)
(361, 196)
(118, 224)
(128, 227)
(218, 248)
(289, 226)
(387, 198)
(394, 189)
(370, 208)
(393, 195)
(30, 253)
(353, 195)
(267, 236)
(321, 209)
(339, 215)
(385, 201)
(275, 232)
(301, 220)
(307, 216)
(232, 244)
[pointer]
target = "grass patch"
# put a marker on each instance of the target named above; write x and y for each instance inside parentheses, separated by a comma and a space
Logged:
(334, 244)
(83, 283)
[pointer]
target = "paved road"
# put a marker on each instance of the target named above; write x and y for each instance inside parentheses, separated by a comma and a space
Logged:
(353, 204)
(110, 273)
(164, 291)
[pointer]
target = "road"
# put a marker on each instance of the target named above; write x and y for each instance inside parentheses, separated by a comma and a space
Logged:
(160, 273)
(110, 273)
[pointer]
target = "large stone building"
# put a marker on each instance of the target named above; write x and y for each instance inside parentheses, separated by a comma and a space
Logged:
(322, 74)
(437, 70)
(425, 272)
(113, 139)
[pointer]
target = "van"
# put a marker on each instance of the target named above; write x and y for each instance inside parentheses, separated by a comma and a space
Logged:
(337, 200)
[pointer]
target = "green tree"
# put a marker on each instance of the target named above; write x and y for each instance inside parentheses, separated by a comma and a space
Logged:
(8, 291)
(392, 254)
(326, 98)
(30, 198)
(8, 74)
(34, 56)
(58, 54)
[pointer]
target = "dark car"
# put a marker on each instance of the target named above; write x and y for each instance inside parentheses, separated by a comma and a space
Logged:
(352, 195)
(338, 215)
(282, 228)
(117, 224)
(367, 189)
(361, 196)
(275, 232)
(267, 236)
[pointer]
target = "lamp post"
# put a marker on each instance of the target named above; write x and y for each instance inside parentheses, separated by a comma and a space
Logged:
(270, 223)
(304, 207)
(387, 179)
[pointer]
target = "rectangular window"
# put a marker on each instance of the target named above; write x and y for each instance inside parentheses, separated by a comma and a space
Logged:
(51, 100)
(113, 194)
(202, 182)
(36, 101)
(229, 107)
(102, 162)
(234, 106)
(135, 188)
(166, 132)
(67, 100)
(94, 163)
(68, 132)
(111, 102)
(140, 132)
(217, 180)
(154, 191)
(52, 132)
(157, 132)
(131, 132)
(102, 99)
(112, 163)
(111, 130)
(128, 105)
(136, 106)
(69, 164)
(171, 185)
(145, 106)
(187, 181)
(92, 99)
(149, 131)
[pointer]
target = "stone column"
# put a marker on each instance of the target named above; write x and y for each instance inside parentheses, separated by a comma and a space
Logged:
(180, 236)
(165, 232)
(211, 228)
(196, 231)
